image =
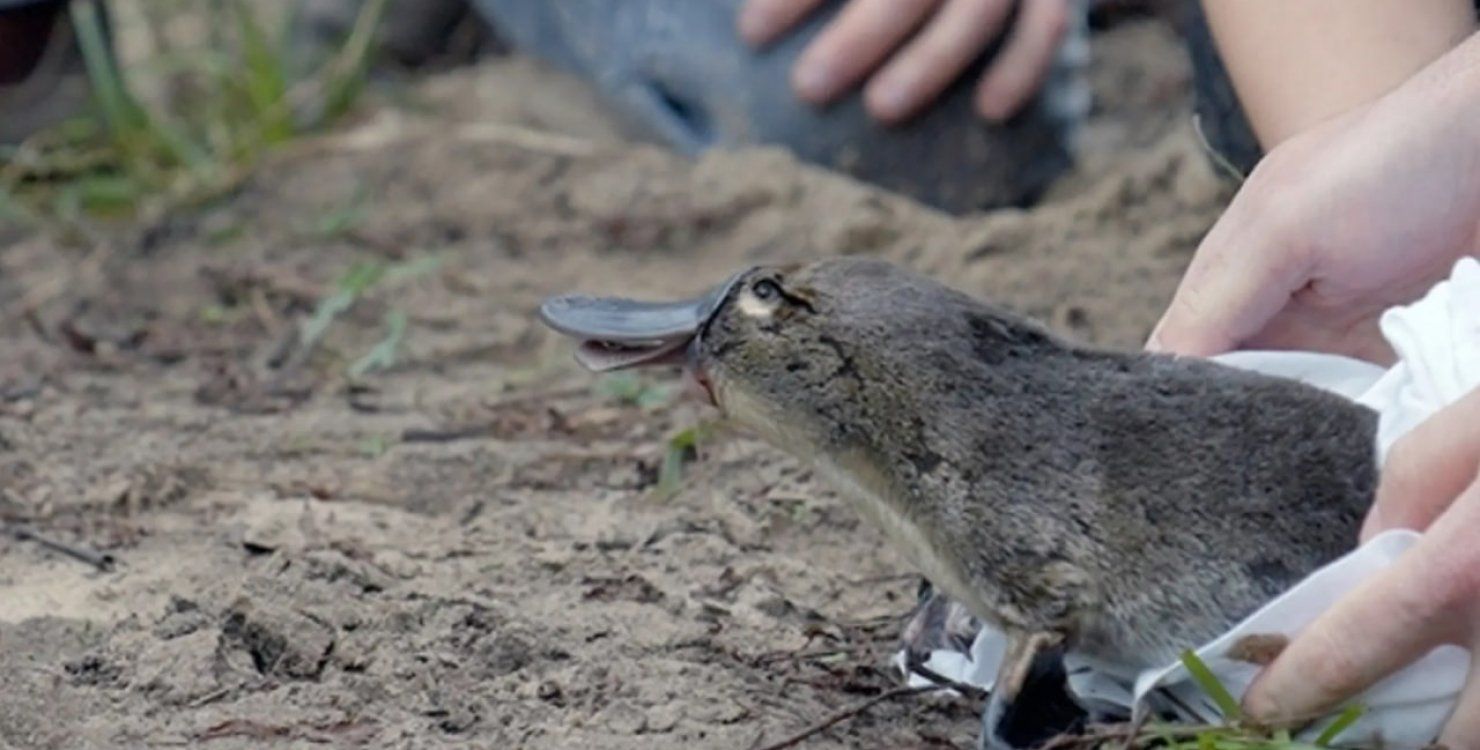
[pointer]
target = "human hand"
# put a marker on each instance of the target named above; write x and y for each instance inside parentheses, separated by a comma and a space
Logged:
(911, 50)
(1429, 597)
(1337, 224)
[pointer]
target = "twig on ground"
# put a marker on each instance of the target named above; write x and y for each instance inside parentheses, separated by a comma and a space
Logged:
(1130, 734)
(849, 713)
(446, 436)
(528, 139)
(100, 560)
(970, 691)
(1137, 726)
(392, 130)
(774, 657)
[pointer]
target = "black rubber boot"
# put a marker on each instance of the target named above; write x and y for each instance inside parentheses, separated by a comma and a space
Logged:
(42, 77)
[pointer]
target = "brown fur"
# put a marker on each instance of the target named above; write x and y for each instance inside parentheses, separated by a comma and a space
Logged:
(1128, 503)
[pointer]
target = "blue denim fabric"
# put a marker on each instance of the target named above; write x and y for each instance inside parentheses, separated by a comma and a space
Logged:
(678, 73)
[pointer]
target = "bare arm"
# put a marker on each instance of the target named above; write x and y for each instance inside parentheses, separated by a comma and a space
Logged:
(1295, 64)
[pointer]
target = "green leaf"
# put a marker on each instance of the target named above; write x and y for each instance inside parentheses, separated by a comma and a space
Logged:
(1210, 685)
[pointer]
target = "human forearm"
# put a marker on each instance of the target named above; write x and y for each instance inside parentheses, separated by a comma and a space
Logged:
(1295, 64)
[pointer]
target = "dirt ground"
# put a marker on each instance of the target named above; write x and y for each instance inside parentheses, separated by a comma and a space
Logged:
(468, 547)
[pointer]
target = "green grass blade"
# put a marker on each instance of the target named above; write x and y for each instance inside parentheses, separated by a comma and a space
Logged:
(344, 76)
(12, 211)
(103, 193)
(178, 148)
(339, 220)
(141, 140)
(412, 269)
(633, 390)
(1348, 717)
(1210, 685)
(383, 355)
(682, 448)
(329, 308)
(227, 97)
(265, 78)
(120, 111)
(359, 278)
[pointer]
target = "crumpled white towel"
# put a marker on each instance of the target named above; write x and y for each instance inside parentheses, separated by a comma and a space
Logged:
(1437, 340)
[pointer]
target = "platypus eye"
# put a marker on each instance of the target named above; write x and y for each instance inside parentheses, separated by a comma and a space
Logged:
(766, 290)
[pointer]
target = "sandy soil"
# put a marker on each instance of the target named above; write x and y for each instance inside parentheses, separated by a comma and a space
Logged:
(468, 546)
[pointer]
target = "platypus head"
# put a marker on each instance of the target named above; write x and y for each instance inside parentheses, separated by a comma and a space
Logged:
(810, 356)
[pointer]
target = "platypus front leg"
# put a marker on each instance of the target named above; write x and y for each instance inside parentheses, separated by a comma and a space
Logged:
(1030, 702)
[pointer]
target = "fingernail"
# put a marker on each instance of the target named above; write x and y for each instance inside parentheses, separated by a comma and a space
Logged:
(1260, 709)
(1257, 710)
(1371, 526)
(994, 108)
(813, 81)
(753, 26)
(889, 99)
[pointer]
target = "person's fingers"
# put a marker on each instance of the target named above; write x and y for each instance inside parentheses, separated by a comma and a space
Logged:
(762, 21)
(1019, 69)
(1366, 637)
(1422, 601)
(1463, 729)
(1427, 469)
(854, 43)
(1240, 278)
(934, 58)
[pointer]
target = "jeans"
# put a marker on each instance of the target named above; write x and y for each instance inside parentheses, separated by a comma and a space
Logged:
(677, 73)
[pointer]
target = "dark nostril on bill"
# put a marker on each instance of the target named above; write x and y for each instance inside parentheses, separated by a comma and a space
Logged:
(684, 117)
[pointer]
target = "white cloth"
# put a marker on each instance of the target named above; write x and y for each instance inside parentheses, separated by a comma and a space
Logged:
(1437, 340)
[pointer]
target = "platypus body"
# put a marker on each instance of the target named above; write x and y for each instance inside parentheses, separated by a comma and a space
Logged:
(1123, 505)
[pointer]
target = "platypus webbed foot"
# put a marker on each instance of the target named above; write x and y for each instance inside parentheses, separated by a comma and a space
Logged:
(938, 624)
(1031, 703)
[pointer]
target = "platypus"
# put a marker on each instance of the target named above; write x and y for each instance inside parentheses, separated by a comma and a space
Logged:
(1123, 505)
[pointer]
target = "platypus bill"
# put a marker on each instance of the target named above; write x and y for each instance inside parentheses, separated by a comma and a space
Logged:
(1122, 505)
